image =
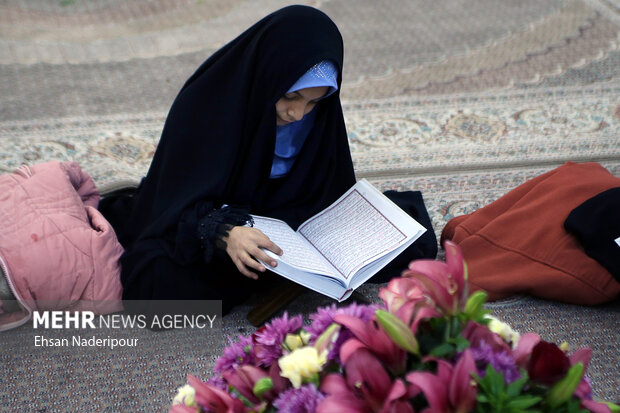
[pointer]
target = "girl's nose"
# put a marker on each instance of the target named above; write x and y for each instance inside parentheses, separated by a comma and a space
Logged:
(296, 111)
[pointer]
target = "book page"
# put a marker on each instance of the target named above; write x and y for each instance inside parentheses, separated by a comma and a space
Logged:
(352, 232)
(296, 251)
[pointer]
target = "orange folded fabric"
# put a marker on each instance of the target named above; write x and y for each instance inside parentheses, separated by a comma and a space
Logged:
(518, 244)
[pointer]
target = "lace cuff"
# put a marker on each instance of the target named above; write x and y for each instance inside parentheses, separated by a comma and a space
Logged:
(216, 225)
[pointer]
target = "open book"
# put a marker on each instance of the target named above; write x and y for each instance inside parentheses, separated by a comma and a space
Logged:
(341, 247)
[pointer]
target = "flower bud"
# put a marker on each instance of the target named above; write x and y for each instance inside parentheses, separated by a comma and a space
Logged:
(293, 341)
(613, 407)
(563, 390)
(474, 304)
(398, 331)
(326, 340)
(262, 386)
(305, 337)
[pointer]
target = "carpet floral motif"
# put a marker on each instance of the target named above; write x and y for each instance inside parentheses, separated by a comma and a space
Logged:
(486, 130)
(474, 127)
(389, 138)
(124, 148)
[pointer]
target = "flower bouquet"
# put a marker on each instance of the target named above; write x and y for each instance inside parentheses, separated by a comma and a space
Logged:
(430, 347)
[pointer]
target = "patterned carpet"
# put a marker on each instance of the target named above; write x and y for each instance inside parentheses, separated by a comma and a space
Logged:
(463, 100)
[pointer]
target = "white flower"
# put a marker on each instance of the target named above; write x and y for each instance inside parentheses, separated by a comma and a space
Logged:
(185, 396)
(301, 364)
(503, 330)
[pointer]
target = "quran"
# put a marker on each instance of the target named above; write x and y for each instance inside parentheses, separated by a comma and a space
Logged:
(341, 247)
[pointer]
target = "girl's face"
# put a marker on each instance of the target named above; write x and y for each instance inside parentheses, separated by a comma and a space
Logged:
(293, 106)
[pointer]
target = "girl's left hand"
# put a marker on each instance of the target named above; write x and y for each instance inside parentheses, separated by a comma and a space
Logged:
(245, 246)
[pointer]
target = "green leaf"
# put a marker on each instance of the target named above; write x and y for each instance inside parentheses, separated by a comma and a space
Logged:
(523, 402)
(482, 384)
(443, 350)
(496, 380)
(514, 388)
(460, 342)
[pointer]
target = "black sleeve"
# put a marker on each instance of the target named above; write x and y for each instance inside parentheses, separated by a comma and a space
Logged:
(201, 229)
(214, 226)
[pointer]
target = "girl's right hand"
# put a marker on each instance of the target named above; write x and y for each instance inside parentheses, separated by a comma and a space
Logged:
(243, 245)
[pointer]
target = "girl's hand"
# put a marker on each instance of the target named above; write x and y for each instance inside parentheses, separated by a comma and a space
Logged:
(243, 245)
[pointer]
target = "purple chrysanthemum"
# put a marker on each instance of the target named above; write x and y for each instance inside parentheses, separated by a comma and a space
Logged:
(501, 362)
(268, 340)
(235, 355)
(218, 382)
(324, 317)
(302, 400)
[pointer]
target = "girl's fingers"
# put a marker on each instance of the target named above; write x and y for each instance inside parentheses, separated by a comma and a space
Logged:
(250, 262)
(243, 250)
(274, 248)
(243, 269)
(269, 245)
(263, 241)
(262, 255)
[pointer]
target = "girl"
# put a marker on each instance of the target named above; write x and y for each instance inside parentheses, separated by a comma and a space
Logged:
(258, 128)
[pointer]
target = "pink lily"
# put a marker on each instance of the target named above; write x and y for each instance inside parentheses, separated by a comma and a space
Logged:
(405, 299)
(181, 408)
(595, 407)
(366, 374)
(243, 380)
(398, 399)
(401, 297)
(279, 383)
(215, 399)
(340, 398)
(373, 337)
(444, 283)
(366, 388)
(451, 389)
(582, 355)
(524, 348)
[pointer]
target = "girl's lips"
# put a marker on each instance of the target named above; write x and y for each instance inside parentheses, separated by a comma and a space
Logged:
(282, 121)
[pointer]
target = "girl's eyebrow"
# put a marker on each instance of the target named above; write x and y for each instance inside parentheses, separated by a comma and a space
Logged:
(312, 100)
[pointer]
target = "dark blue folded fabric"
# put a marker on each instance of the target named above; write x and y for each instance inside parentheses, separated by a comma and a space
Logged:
(596, 223)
